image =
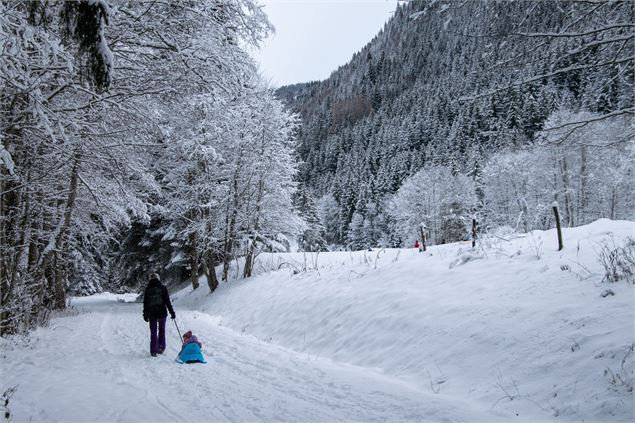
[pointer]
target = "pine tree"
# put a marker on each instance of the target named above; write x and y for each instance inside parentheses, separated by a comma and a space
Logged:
(312, 238)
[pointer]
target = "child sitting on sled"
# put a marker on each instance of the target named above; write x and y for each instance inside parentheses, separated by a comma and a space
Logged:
(188, 338)
(191, 349)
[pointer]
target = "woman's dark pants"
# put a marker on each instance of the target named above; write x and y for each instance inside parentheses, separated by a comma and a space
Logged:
(157, 343)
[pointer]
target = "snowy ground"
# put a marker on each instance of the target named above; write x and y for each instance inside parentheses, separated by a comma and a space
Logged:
(393, 335)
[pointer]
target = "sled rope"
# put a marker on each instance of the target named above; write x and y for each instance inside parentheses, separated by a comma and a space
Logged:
(177, 329)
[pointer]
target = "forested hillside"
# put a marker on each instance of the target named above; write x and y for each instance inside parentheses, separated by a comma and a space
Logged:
(461, 109)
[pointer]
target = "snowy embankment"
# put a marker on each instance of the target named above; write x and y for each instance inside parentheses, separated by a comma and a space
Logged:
(516, 327)
(513, 331)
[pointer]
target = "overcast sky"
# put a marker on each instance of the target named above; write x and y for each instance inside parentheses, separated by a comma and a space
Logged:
(314, 37)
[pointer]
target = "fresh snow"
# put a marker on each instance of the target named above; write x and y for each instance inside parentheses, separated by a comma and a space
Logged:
(513, 331)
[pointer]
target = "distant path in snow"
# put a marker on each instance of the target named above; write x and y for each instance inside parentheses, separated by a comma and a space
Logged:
(95, 367)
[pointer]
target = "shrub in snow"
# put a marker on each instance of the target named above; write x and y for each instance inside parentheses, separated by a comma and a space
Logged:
(624, 377)
(618, 261)
(464, 258)
(505, 232)
(6, 397)
(536, 245)
(607, 293)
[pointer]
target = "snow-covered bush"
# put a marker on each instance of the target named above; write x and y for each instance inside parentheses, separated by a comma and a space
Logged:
(618, 261)
(623, 378)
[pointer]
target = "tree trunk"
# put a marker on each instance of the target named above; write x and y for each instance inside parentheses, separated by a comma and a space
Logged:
(210, 259)
(559, 229)
(249, 259)
(228, 245)
(568, 201)
(424, 238)
(231, 226)
(210, 271)
(58, 271)
(524, 209)
(20, 232)
(11, 217)
(614, 201)
(194, 259)
(251, 249)
(61, 248)
(582, 195)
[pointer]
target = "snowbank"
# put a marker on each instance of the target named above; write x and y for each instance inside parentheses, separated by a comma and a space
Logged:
(523, 331)
(104, 297)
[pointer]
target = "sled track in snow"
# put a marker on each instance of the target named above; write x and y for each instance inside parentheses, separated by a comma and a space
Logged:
(100, 370)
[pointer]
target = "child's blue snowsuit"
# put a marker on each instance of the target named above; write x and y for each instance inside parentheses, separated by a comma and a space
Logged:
(191, 353)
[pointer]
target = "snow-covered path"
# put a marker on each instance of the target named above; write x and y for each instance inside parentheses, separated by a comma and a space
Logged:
(95, 367)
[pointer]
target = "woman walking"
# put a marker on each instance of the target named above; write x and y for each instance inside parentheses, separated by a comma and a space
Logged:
(156, 303)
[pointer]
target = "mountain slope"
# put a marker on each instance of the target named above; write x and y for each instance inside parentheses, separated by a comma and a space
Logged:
(405, 101)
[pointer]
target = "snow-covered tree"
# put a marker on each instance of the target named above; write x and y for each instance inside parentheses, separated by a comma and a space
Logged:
(329, 214)
(437, 197)
(101, 104)
(586, 171)
(312, 238)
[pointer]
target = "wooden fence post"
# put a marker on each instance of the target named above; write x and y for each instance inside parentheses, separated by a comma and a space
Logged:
(557, 215)
(424, 238)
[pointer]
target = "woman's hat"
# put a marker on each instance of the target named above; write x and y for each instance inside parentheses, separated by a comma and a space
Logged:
(154, 276)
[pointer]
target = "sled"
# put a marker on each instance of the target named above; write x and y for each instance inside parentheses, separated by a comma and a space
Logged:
(191, 353)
